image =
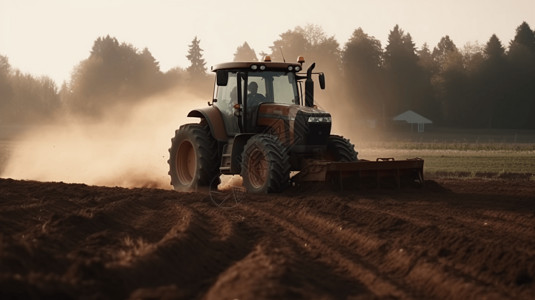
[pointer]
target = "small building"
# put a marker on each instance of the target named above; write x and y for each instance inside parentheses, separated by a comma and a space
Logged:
(413, 118)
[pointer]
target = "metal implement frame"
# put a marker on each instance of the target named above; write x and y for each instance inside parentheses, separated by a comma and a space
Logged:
(364, 172)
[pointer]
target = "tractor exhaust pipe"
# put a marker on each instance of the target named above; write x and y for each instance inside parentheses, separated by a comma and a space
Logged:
(309, 87)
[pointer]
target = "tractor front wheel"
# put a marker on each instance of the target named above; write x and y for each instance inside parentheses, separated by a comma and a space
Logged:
(265, 165)
(193, 158)
(340, 149)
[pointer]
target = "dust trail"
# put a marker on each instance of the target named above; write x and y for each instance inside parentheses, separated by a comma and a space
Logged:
(128, 147)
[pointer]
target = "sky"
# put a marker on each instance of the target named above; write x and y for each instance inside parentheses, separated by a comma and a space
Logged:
(50, 38)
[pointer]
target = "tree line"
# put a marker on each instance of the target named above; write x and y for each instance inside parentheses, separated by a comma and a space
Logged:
(115, 74)
(476, 86)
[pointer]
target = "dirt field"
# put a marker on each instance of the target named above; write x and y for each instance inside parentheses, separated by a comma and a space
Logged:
(462, 239)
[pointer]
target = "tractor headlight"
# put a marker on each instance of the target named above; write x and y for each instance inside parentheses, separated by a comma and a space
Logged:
(319, 119)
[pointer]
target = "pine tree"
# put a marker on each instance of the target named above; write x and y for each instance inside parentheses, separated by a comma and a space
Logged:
(402, 73)
(362, 58)
(197, 68)
(245, 53)
(525, 37)
(493, 83)
(521, 57)
(494, 48)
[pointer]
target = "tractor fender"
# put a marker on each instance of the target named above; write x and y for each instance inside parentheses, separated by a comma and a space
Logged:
(237, 149)
(213, 117)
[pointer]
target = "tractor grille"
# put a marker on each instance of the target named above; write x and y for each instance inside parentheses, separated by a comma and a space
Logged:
(311, 133)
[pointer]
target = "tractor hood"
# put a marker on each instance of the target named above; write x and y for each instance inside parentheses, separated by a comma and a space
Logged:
(295, 124)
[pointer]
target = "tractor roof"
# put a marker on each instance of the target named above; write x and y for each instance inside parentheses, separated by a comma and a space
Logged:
(265, 65)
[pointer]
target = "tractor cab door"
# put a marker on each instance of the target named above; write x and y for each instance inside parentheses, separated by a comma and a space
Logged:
(226, 97)
(248, 91)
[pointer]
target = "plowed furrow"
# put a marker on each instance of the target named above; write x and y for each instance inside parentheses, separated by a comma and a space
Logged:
(380, 247)
(468, 227)
(508, 223)
(459, 250)
(191, 254)
(326, 249)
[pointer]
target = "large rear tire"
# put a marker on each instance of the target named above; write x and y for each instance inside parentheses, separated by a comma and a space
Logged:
(193, 158)
(340, 149)
(265, 165)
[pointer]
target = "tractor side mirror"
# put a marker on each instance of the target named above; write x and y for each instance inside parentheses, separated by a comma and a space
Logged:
(221, 77)
(321, 78)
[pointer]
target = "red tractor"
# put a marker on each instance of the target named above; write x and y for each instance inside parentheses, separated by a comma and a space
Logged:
(262, 126)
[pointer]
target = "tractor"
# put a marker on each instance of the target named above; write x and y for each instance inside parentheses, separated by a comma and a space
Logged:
(264, 125)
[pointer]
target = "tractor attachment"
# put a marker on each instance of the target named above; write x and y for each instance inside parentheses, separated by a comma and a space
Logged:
(384, 172)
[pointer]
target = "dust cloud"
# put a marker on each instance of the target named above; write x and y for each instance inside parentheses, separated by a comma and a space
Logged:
(347, 120)
(127, 147)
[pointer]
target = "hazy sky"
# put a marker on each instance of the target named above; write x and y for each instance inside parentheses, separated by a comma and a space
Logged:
(51, 37)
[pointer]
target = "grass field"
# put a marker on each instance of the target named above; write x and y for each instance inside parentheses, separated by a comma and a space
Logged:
(459, 153)
(464, 163)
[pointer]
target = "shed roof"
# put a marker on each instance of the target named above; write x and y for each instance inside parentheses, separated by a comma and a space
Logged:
(413, 118)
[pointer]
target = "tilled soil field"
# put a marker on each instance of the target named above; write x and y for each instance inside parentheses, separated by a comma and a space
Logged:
(454, 238)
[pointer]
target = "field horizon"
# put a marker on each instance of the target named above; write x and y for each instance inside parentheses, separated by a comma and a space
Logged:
(506, 154)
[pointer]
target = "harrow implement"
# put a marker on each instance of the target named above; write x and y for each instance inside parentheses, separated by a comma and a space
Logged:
(383, 172)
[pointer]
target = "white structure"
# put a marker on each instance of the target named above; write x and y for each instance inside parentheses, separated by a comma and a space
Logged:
(413, 118)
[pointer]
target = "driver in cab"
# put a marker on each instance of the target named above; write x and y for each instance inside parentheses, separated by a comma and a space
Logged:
(254, 98)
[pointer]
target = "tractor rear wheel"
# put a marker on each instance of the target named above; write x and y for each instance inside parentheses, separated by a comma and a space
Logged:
(193, 158)
(265, 165)
(340, 149)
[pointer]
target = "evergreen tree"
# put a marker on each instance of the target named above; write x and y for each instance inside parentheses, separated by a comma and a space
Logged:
(403, 74)
(245, 53)
(362, 60)
(450, 82)
(197, 69)
(521, 80)
(524, 37)
(492, 84)
(494, 49)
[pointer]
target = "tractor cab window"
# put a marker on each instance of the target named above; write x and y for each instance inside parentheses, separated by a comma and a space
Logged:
(273, 87)
(227, 95)
(285, 88)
